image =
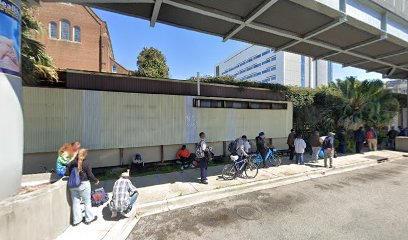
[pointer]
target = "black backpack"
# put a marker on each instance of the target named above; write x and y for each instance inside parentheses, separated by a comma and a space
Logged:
(327, 143)
(232, 147)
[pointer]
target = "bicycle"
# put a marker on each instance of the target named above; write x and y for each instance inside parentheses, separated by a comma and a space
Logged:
(231, 171)
(272, 158)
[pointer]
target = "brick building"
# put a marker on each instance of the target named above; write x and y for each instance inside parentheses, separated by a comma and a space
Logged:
(76, 38)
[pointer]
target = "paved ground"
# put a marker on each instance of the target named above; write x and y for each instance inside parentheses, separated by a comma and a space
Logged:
(370, 203)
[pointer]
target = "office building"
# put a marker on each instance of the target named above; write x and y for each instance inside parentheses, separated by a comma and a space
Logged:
(261, 64)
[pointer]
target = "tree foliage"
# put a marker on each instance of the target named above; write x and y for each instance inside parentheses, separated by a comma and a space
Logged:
(152, 63)
(36, 64)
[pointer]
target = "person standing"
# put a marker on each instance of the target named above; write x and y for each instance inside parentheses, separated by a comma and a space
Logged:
(371, 136)
(401, 131)
(261, 146)
(300, 146)
(316, 146)
(341, 137)
(392, 134)
(124, 195)
(359, 139)
(328, 148)
(240, 148)
(291, 143)
(202, 153)
(83, 191)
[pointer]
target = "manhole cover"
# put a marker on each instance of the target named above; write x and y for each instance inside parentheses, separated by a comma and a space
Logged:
(249, 213)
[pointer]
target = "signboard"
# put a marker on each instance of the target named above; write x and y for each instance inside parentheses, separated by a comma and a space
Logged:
(10, 38)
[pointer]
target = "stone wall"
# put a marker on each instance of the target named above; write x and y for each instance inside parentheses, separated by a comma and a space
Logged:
(39, 215)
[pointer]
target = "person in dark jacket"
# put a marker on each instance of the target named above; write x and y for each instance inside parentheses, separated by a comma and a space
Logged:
(341, 137)
(392, 134)
(359, 136)
(291, 143)
(84, 190)
(261, 146)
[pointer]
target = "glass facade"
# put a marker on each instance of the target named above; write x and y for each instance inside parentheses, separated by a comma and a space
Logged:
(330, 72)
(302, 71)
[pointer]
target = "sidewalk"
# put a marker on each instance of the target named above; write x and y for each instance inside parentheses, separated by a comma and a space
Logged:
(164, 192)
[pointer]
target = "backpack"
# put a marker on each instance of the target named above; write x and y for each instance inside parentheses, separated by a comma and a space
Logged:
(199, 151)
(232, 147)
(327, 143)
(99, 197)
(370, 134)
(74, 181)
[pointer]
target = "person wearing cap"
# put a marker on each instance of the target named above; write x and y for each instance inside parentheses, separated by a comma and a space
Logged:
(261, 146)
(328, 148)
(291, 143)
(124, 195)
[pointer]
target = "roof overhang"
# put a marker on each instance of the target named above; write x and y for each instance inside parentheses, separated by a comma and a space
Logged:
(305, 27)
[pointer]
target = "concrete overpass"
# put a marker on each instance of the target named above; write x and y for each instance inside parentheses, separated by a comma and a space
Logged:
(368, 34)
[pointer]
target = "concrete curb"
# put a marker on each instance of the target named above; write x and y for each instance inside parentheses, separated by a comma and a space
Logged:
(123, 230)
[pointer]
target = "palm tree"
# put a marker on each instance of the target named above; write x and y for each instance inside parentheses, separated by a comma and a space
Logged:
(36, 64)
(365, 102)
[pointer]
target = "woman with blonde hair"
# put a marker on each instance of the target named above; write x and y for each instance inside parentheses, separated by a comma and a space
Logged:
(83, 191)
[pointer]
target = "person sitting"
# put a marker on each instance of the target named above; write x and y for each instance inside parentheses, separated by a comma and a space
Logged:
(124, 195)
(184, 156)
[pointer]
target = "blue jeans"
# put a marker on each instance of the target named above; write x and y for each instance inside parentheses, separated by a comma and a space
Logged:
(203, 168)
(82, 192)
(299, 158)
(133, 200)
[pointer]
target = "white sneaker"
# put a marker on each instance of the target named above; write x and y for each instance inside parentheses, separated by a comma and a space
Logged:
(182, 168)
(114, 214)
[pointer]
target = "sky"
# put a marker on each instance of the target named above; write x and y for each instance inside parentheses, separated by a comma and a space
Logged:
(187, 52)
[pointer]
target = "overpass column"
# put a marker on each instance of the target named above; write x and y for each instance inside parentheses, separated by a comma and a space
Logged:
(11, 114)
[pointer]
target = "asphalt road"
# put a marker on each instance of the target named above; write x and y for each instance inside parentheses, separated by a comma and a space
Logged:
(371, 203)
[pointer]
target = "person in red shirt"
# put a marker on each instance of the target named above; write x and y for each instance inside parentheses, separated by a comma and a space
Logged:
(184, 156)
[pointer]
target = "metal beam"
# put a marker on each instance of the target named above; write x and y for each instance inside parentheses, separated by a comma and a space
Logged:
(100, 1)
(251, 17)
(314, 33)
(354, 46)
(231, 18)
(379, 69)
(388, 55)
(155, 13)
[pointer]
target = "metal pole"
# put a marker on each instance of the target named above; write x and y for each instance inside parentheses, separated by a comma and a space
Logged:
(406, 115)
(198, 83)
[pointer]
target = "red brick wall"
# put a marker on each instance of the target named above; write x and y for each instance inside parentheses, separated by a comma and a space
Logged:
(93, 53)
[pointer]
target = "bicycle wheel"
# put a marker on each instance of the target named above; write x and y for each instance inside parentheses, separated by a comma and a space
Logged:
(251, 170)
(276, 160)
(229, 172)
(253, 158)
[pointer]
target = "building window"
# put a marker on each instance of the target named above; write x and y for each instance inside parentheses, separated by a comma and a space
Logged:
(114, 69)
(52, 28)
(65, 30)
(330, 71)
(77, 34)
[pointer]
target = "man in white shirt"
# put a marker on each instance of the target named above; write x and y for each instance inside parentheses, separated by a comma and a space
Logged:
(300, 146)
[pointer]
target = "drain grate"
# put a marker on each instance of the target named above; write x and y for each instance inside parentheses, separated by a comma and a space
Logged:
(249, 213)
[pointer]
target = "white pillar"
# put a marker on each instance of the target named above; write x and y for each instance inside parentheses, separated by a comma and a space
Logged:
(11, 114)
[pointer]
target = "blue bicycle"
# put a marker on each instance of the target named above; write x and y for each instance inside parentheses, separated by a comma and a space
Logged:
(273, 158)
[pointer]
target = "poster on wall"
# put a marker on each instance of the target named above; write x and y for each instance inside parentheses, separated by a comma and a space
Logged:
(10, 38)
